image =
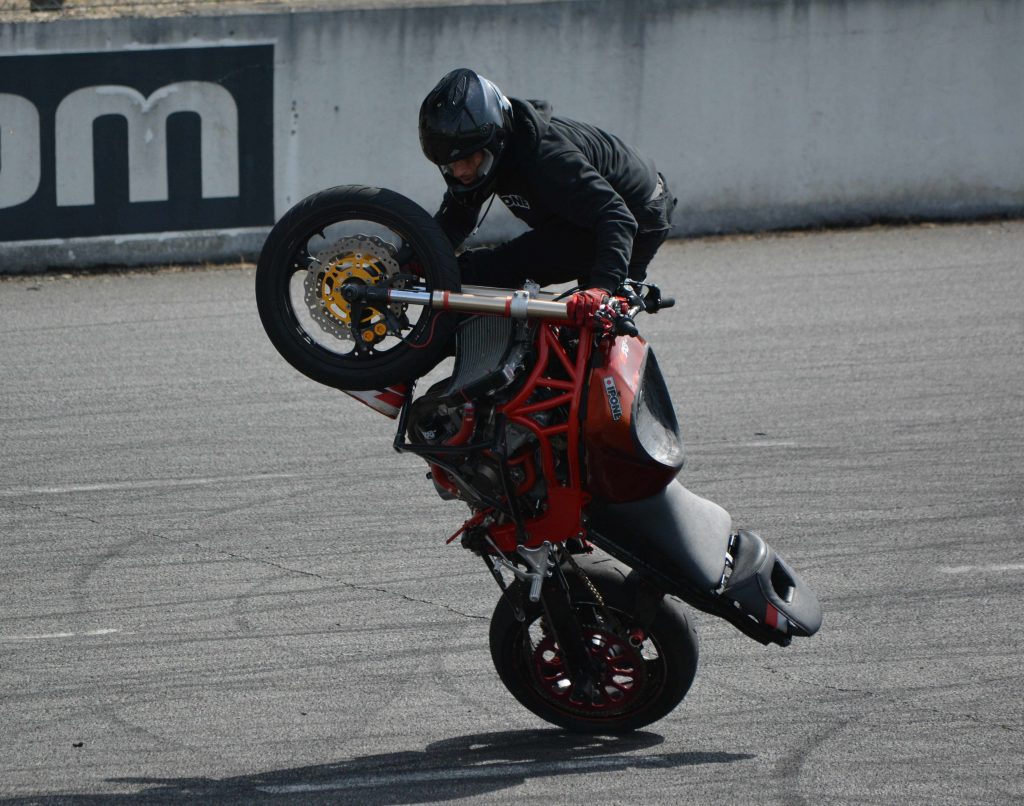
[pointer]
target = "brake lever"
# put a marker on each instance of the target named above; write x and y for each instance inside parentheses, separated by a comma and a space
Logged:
(653, 301)
(632, 297)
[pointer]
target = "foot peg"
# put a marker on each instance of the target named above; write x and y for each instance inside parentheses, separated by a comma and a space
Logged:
(541, 561)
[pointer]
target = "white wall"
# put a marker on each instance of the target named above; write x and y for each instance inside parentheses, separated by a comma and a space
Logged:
(761, 113)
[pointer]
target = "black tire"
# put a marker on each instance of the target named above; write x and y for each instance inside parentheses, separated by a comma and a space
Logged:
(669, 656)
(414, 340)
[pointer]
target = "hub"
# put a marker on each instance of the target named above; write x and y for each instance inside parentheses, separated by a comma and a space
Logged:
(359, 259)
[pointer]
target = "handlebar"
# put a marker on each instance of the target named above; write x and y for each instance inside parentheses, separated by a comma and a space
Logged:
(521, 304)
(517, 305)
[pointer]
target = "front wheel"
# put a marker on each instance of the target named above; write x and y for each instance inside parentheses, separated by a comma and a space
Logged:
(643, 671)
(355, 236)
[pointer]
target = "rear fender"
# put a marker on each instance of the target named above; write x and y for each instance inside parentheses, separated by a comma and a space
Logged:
(766, 588)
(685, 545)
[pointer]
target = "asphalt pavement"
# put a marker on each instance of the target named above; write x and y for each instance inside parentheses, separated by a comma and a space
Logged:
(218, 583)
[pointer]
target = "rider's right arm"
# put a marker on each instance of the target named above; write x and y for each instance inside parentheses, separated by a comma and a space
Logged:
(457, 220)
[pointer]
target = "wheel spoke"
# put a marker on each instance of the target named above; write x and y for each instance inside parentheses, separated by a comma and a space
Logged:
(622, 674)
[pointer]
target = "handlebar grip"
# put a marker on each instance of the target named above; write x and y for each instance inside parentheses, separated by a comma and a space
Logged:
(667, 302)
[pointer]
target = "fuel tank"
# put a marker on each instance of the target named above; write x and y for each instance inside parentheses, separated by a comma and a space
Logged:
(633, 446)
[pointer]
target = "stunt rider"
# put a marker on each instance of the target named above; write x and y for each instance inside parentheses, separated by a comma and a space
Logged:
(598, 210)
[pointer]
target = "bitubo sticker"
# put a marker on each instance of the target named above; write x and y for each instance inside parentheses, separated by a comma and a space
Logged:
(614, 403)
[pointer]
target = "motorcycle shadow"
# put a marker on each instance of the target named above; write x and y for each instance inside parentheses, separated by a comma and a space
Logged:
(447, 770)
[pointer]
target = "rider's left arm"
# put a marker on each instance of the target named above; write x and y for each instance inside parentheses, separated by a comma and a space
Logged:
(575, 191)
(456, 219)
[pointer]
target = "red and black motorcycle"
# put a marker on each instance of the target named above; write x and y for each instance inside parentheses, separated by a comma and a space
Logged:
(562, 441)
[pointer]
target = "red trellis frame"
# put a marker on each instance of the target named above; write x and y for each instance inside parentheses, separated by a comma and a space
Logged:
(562, 518)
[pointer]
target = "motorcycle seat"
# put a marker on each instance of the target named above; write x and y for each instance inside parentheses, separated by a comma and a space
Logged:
(692, 532)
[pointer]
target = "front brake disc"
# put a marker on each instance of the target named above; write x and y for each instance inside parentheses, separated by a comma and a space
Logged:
(362, 259)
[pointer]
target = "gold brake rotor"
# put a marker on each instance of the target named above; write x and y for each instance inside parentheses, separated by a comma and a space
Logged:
(351, 267)
(360, 259)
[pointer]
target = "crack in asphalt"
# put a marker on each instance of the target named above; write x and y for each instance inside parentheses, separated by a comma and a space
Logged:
(233, 555)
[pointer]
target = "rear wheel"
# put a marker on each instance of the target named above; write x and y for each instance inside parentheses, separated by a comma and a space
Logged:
(354, 235)
(642, 671)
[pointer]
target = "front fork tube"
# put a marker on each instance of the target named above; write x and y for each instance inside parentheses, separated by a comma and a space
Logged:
(547, 583)
(513, 593)
(562, 620)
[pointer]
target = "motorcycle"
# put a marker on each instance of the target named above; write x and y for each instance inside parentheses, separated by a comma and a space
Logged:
(562, 441)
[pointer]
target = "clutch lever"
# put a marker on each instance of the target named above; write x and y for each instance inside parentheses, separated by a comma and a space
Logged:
(653, 301)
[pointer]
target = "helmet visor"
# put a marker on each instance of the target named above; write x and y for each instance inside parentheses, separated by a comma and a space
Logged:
(444, 148)
(483, 169)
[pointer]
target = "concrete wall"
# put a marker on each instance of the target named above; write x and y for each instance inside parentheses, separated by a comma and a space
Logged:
(762, 113)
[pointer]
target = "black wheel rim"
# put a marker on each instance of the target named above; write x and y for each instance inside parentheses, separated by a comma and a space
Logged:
(327, 254)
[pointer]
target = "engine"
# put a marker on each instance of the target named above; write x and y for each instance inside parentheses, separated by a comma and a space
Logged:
(491, 457)
(474, 453)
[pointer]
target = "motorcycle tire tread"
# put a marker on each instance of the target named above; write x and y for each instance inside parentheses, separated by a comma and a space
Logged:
(432, 249)
(677, 641)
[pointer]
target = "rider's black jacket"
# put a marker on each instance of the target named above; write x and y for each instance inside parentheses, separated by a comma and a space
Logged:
(557, 170)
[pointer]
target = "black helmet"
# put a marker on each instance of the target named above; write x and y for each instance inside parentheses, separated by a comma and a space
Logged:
(463, 114)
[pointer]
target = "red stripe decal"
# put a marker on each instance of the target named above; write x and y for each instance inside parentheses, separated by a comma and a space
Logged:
(445, 303)
(391, 398)
(771, 617)
(508, 306)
